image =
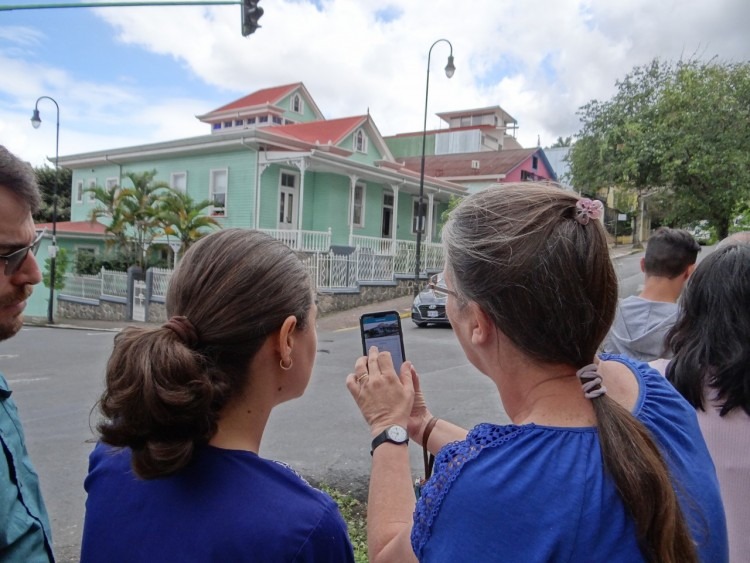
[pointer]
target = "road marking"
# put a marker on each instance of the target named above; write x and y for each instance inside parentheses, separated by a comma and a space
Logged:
(97, 333)
(28, 380)
(8, 356)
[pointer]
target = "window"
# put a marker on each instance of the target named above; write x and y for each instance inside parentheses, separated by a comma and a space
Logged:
(178, 181)
(288, 122)
(358, 206)
(216, 126)
(360, 141)
(218, 192)
(277, 120)
(527, 176)
(534, 163)
(79, 191)
(296, 103)
(417, 221)
(250, 120)
(263, 119)
(92, 186)
(227, 124)
(111, 183)
(239, 122)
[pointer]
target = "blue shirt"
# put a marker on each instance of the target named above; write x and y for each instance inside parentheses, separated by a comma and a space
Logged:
(538, 493)
(226, 505)
(25, 534)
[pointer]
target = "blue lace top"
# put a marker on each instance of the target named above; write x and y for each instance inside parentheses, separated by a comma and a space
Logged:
(540, 493)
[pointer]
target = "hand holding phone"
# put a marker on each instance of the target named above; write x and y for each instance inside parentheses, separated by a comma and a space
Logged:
(383, 329)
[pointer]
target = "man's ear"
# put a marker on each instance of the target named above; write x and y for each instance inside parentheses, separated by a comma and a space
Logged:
(689, 271)
(643, 265)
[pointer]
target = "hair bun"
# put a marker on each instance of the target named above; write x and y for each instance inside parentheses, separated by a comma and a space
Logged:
(184, 329)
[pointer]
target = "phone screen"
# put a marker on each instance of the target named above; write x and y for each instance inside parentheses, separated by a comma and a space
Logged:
(384, 331)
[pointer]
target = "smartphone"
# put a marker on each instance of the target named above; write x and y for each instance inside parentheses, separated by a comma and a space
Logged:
(383, 330)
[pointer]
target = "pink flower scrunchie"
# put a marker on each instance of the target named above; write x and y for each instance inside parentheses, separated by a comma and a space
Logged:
(587, 209)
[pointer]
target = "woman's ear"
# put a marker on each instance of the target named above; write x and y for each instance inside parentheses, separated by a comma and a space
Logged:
(482, 327)
(286, 338)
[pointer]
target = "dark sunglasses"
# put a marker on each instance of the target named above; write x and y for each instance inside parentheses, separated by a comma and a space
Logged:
(14, 260)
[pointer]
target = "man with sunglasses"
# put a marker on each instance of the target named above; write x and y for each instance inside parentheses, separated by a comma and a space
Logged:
(24, 525)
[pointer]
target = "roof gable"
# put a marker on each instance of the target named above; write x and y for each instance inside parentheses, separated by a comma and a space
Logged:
(480, 164)
(263, 99)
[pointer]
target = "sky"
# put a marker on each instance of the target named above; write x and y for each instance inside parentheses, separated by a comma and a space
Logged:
(135, 75)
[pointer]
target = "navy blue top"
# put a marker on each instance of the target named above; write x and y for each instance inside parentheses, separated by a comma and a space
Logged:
(226, 505)
(25, 534)
(540, 493)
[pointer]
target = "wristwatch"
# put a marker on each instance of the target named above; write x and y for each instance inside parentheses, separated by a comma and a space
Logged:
(394, 434)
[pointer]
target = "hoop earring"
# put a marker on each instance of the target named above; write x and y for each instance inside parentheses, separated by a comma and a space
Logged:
(282, 366)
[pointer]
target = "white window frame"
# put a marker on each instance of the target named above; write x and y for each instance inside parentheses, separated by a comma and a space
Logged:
(109, 182)
(79, 191)
(212, 191)
(363, 188)
(414, 204)
(360, 141)
(299, 102)
(92, 184)
(172, 181)
(93, 249)
(292, 191)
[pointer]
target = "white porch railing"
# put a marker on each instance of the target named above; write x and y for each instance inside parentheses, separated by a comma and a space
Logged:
(376, 244)
(303, 241)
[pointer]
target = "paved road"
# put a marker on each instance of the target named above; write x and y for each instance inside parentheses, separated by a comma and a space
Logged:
(56, 375)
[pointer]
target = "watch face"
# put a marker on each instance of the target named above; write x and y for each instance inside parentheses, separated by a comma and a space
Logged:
(397, 433)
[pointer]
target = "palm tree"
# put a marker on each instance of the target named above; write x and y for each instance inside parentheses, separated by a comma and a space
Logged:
(133, 213)
(181, 216)
(108, 208)
(139, 207)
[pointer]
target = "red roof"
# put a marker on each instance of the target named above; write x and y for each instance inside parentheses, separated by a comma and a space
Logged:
(265, 96)
(491, 163)
(323, 131)
(74, 227)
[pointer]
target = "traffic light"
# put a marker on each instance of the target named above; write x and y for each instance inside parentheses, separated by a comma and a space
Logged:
(251, 13)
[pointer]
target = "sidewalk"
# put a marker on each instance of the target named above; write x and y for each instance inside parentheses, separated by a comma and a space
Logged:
(339, 320)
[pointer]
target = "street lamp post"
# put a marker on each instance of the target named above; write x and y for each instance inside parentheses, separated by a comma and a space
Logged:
(36, 121)
(449, 70)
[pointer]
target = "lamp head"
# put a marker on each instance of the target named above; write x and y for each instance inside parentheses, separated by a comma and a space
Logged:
(450, 67)
(36, 121)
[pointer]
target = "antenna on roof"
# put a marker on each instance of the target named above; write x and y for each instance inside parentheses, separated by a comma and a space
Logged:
(538, 141)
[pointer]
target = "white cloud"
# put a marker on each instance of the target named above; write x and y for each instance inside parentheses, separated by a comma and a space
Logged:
(540, 61)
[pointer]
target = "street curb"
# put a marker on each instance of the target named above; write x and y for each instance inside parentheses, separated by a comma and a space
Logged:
(72, 327)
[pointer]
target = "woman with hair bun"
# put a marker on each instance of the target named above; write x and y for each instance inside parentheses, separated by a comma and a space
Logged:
(177, 475)
(600, 462)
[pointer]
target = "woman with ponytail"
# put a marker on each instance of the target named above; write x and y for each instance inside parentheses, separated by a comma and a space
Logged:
(177, 475)
(602, 460)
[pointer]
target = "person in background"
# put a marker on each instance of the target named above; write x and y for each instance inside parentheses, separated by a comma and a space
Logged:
(642, 321)
(711, 369)
(599, 463)
(177, 475)
(25, 534)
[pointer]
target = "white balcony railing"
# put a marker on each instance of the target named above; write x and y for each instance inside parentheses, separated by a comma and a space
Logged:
(302, 241)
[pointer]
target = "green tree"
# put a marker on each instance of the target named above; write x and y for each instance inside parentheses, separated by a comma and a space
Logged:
(182, 217)
(47, 177)
(62, 262)
(678, 128)
(619, 145)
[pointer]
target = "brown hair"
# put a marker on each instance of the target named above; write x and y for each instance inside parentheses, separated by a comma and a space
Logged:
(19, 177)
(162, 397)
(548, 284)
(669, 252)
